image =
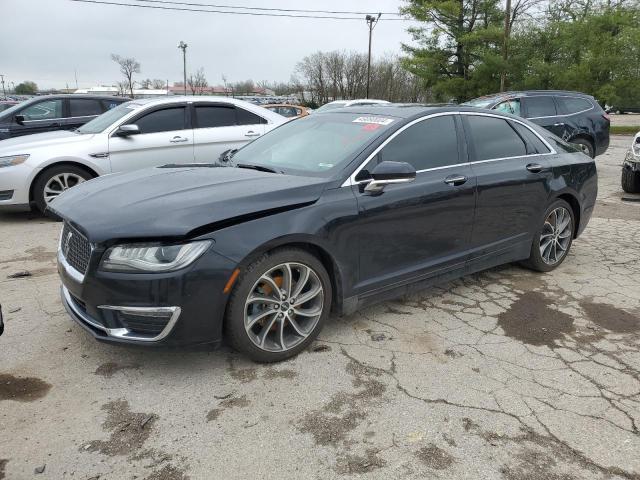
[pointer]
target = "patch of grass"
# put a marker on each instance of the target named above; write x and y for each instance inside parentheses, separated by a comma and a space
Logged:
(624, 130)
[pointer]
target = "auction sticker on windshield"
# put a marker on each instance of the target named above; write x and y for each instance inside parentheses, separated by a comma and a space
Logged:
(374, 120)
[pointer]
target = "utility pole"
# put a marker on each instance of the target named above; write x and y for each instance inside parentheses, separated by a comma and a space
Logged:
(505, 45)
(184, 46)
(371, 23)
(75, 72)
(4, 93)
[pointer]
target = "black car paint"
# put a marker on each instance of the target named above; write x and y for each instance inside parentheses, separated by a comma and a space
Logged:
(374, 247)
(10, 128)
(591, 125)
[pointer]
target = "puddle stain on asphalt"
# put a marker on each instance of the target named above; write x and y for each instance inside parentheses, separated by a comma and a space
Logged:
(356, 464)
(168, 472)
(531, 320)
(272, 373)
(109, 369)
(36, 254)
(611, 318)
(3, 464)
(129, 430)
(435, 457)
(22, 389)
(233, 402)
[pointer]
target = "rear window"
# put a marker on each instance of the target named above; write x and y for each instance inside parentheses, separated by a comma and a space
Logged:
(494, 138)
(540, 107)
(531, 138)
(574, 104)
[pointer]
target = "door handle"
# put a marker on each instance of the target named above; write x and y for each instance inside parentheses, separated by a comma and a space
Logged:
(558, 124)
(455, 180)
(534, 167)
(178, 139)
(251, 133)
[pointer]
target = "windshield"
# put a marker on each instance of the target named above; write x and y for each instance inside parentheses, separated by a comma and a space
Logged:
(331, 106)
(14, 108)
(480, 102)
(104, 121)
(316, 145)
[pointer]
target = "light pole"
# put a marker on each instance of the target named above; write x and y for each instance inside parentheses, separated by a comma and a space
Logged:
(4, 93)
(371, 23)
(183, 46)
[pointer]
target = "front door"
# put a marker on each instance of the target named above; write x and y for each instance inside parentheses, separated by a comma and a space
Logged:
(39, 117)
(165, 137)
(422, 228)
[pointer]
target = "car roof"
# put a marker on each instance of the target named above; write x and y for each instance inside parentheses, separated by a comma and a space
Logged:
(77, 95)
(532, 93)
(398, 110)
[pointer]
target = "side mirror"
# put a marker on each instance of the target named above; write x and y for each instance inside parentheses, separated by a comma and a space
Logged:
(127, 130)
(20, 119)
(386, 173)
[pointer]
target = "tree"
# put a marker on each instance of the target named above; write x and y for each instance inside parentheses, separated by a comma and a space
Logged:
(158, 84)
(26, 88)
(198, 82)
(128, 66)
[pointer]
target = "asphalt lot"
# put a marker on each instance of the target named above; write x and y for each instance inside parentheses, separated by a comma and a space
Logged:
(507, 374)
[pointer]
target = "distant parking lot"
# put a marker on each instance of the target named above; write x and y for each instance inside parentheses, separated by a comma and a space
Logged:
(506, 374)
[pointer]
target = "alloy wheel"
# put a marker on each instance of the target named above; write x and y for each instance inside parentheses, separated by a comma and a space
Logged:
(556, 236)
(59, 183)
(283, 307)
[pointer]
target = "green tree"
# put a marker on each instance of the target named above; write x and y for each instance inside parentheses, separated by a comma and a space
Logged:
(26, 88)
(458, 50)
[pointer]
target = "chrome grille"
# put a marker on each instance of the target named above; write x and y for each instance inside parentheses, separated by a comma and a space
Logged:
(76, 249)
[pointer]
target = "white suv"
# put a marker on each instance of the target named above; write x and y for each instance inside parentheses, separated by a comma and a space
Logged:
(137, 134)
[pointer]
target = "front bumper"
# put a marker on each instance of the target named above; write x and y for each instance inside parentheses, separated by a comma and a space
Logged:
(14, 185)
(172, 309)
(631, 161)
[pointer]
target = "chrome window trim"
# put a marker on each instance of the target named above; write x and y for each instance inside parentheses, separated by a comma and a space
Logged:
(561, 114)
(352, 181)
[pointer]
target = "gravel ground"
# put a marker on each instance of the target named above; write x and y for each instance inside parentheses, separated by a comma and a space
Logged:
(507, 374)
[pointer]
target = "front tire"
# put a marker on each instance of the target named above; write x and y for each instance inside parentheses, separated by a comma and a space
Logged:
(55, 180)
(553, 239)
(278, 305)
(630, 180)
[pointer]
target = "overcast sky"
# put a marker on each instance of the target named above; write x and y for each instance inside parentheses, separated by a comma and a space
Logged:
(47, 40)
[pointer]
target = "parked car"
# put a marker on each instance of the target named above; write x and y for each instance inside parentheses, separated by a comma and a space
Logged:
(349, 103)
(631, 167)
(288, 111)
(134, 135)
(6, 104)
(331, 212)
(575, 117)
(53, 112)
(622, 109)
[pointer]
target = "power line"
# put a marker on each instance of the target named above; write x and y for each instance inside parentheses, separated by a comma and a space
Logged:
(292, 10)
(200, 10)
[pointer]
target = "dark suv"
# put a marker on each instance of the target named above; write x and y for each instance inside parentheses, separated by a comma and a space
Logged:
(53, 112)
(572, 116)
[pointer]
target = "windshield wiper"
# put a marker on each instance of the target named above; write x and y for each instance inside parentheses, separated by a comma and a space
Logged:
(260, 168)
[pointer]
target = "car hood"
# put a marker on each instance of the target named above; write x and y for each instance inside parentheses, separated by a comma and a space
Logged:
(179, 202)
(26, 143)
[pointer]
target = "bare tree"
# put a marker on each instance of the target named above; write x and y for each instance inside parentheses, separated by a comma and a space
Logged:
(198, 82)
(158, 84)
(128, 66)
(145, 84)
(122, 88)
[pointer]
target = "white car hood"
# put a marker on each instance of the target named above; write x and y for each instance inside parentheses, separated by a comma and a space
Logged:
(26, 143)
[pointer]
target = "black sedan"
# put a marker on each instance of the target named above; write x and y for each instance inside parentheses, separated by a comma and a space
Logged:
(327, 213)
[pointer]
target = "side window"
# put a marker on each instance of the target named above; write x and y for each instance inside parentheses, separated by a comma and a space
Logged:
(211, 116)
(510, 106)
(531, 138)
(540, 107)
(494, 138)
(109, 104)
(246, 117)
(428, 144)
(164, 120)
(44, 110)
(574, 104)
(84, 107)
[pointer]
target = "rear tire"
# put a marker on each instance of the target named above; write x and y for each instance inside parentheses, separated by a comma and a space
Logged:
(630, 180)
(53, 181)
(553, 239)
(264, 319)
(586, 146)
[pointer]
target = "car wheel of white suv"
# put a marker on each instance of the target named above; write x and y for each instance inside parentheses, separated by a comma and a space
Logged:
(55, 180)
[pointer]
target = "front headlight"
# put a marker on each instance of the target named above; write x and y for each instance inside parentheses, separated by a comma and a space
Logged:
(12, 160)
(152, 257)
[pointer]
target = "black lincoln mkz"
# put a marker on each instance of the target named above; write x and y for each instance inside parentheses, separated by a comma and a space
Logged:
(330, 212)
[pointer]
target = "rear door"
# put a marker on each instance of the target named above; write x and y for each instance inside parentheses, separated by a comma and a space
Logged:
(42, 116)
(421, 228)
(221, 127)
(543, 110)
(512, 168)
(165, 137)
(80, 111)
